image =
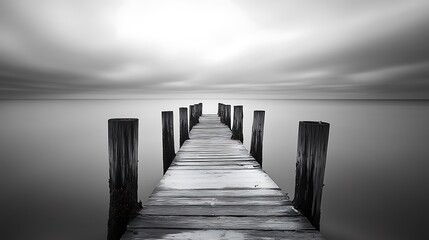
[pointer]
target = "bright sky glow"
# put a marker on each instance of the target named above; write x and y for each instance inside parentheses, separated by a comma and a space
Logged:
(191, 27)
(212, 48)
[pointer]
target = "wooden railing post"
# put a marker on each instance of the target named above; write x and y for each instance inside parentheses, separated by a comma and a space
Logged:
(167, 139)
(310, 169)
(191, 117)
(123, 158)
(201, 109)
(183, 120)
(228, 116)
(218, 108)
(222, 113)
(195, 113)
(237, 126)
(257, 135)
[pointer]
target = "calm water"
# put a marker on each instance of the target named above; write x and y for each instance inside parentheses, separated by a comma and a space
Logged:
(54, 167)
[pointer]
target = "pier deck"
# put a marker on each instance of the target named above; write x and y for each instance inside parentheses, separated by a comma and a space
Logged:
(215, 190)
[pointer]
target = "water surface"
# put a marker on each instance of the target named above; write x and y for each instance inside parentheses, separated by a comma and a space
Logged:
(54, 166)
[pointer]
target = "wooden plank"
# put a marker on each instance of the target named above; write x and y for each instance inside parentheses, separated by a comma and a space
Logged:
(237, 192)
(182, 234)
(255, 175)
(230, 167)
(208, 159)
(216, 184)
(245, 172)
(213, 158)
(205, 163)
(224, 201)
(221, 222)
(219, 210)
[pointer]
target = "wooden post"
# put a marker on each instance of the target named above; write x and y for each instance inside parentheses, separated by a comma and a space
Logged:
(183, 120)
(201, 109)
(228, 116)
(167, 139)
(257, 136)
(196, 110)
(310, 169)
(222, 113)
(191, 117)
(123, 158)
(218, 108)
(237, 126)
(195, 113)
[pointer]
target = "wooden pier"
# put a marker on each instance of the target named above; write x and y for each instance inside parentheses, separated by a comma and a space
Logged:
(214, 189)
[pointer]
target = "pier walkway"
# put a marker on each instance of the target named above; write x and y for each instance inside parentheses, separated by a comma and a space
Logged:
(215, 190)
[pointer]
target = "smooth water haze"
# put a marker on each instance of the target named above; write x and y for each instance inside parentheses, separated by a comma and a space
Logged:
(54, 163)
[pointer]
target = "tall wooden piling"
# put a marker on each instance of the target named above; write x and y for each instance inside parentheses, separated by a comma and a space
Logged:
(310, 168)
(184, 130)
(228, 116)
(123, 158)
(218, 109)
(191, 117)
(237, 126)
(222, 113)
(200, 108)
(257, 135)
(196, 112)
(167, 139)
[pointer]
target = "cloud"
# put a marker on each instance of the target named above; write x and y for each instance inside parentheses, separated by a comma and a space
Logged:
(286, 49)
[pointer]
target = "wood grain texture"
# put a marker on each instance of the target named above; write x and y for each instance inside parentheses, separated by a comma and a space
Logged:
(186, 234)
(237, 125)
(196, 113)
(310, 168)
(220, 210)
(200, 109)
(123, 158)
(218, 109)
(222, 222)
(222, 113)
(257, 135)
(183, 123)
(214, 189)
(191, 117)
(228, 116)
(168, 152)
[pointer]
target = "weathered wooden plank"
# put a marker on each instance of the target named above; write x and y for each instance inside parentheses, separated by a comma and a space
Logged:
(224, 175)
(238, 192)
(230, 167)
(245, 172)
(204, 163)
(212, 156)
(216, 184)
(216, 210)
(224, 201)
(208, 159)
(182, 234)
(221, 222)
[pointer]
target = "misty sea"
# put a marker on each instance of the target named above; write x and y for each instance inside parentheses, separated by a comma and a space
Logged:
(54, 162)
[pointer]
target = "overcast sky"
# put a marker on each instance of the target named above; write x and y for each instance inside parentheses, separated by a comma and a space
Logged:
(200, 48)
